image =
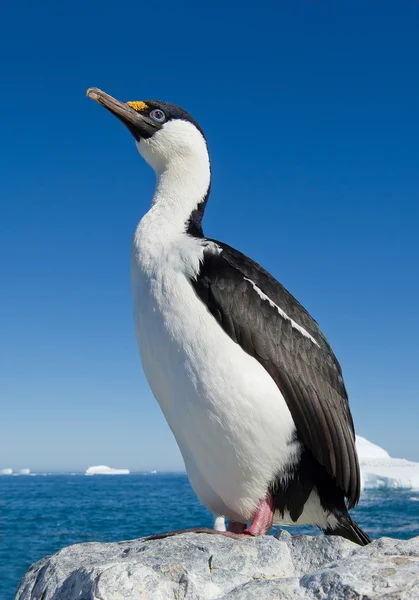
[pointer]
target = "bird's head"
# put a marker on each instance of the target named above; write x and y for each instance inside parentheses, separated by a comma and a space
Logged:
(164, 132)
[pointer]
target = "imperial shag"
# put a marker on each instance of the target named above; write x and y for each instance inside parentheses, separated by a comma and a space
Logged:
(249, 385)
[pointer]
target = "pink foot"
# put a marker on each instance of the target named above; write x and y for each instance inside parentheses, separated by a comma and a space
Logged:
(160, 536)
(260, 525)
(263, 519)
(236, 527)
(165, 534)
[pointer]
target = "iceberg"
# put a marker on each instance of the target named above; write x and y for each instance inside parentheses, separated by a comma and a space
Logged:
(104, 470)
(24, 472)
(6, 471)
(367, 449)
(380, 470)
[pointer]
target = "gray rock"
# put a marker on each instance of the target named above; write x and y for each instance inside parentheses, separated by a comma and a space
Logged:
(194, 566)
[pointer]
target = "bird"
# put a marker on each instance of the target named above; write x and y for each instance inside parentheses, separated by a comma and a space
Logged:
(247, 382)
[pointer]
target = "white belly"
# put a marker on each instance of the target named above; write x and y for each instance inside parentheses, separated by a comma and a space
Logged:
(228, 416)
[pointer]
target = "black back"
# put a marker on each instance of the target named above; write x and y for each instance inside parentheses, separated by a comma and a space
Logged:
(308, 374)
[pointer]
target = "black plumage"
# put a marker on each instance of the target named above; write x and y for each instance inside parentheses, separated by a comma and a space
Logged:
(305, 370)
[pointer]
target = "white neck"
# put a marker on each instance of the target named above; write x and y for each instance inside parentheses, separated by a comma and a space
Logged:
(180, 188)
(180, 158)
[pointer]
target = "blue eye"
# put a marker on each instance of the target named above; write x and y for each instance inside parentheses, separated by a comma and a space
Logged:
(158, 115)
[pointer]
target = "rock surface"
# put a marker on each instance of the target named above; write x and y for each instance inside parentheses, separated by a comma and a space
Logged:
(194, 566)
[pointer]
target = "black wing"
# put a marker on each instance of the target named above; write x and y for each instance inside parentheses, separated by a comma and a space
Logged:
(242, 296)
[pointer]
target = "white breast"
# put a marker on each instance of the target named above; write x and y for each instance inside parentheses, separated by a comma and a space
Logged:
(229, 418)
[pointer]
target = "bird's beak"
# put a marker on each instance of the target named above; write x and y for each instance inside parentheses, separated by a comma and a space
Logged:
(141, 126)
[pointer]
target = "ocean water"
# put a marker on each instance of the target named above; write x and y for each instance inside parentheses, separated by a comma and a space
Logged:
(41, 514)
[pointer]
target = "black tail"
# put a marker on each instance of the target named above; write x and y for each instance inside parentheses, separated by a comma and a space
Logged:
(347, 528)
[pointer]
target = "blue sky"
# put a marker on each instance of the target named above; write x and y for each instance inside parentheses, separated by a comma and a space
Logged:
(311, 114)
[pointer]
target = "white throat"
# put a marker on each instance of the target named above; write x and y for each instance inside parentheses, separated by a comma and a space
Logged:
(178, 153)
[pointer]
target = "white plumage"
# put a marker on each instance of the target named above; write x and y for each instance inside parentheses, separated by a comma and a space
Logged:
(228, 416)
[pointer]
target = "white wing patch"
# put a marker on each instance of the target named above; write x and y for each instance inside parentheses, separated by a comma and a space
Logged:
(281, 312)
